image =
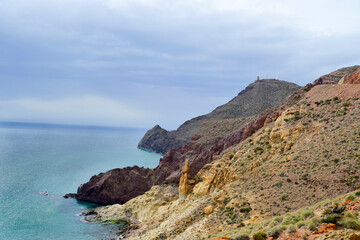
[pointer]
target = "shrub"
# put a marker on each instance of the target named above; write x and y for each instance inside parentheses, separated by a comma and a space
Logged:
(308, 213)
(245, 209)
(351, 197)
(242, 237)
(260, 236)
(291, 229)
(316, 221)
(305, 235)
(357, 193)
(312, 227)
(335, 208)
(300, 224)
(275, 233)
(258, 150)
(332, 218)
(292, 220)
(352, 223)
(284, 197)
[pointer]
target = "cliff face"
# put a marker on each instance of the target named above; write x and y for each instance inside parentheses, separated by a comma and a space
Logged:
(254, 99)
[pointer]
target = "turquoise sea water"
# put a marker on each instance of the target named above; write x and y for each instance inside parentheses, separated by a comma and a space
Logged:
(38, 158)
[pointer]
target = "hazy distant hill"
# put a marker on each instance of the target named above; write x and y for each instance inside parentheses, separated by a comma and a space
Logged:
(254, 99)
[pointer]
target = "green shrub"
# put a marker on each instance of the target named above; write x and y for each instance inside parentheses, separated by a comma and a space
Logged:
(332, 218)
(316, 221)
(312, 227)
(245, 209)
(260, 236)
(348, 222)
(308, 213)
(275, 233)
(351, 197)
(357, 193)
(291, 229)
(300, 224)
(292, 220)
(258, 150)
(284, 197)
(242, 237)
(335, 208)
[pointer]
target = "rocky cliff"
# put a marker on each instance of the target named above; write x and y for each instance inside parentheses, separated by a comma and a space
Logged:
(254, 99)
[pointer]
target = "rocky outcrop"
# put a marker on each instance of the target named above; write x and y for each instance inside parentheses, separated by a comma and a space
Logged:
(254, 99)
(116, 186)
(336, 76)
(184, 185)
(159, 140)
(351, 78)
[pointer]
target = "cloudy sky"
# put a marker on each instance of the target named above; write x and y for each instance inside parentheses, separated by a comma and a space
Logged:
(141, 62)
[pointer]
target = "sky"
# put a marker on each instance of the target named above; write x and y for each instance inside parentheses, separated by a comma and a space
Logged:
(138, 63)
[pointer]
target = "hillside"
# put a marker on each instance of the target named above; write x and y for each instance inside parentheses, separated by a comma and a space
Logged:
(211, 139)
(306, 151)
(254, 99)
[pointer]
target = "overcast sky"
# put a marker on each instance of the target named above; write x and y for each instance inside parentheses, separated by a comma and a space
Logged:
(142, 62)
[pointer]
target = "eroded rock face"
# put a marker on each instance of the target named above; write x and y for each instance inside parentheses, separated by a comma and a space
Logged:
(352, 78)
(116, 186)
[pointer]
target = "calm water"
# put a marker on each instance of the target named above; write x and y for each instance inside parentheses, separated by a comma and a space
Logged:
(57, 159)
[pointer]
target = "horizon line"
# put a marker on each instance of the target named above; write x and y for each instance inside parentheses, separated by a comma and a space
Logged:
(65, 125)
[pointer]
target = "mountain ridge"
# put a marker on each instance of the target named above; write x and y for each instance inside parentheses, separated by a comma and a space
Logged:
(255, 98)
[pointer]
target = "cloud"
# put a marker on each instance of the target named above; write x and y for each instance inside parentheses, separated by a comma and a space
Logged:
(71, 48)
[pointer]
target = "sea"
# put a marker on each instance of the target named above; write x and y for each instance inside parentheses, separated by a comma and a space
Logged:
(39, 163)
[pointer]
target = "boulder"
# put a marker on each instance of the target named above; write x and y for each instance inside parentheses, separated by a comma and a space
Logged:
(116, 186)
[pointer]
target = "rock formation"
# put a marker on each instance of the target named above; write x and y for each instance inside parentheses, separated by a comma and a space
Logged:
(116, 185)
(351, 78)
(336, 76)
(184, 186)
(254, 99)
